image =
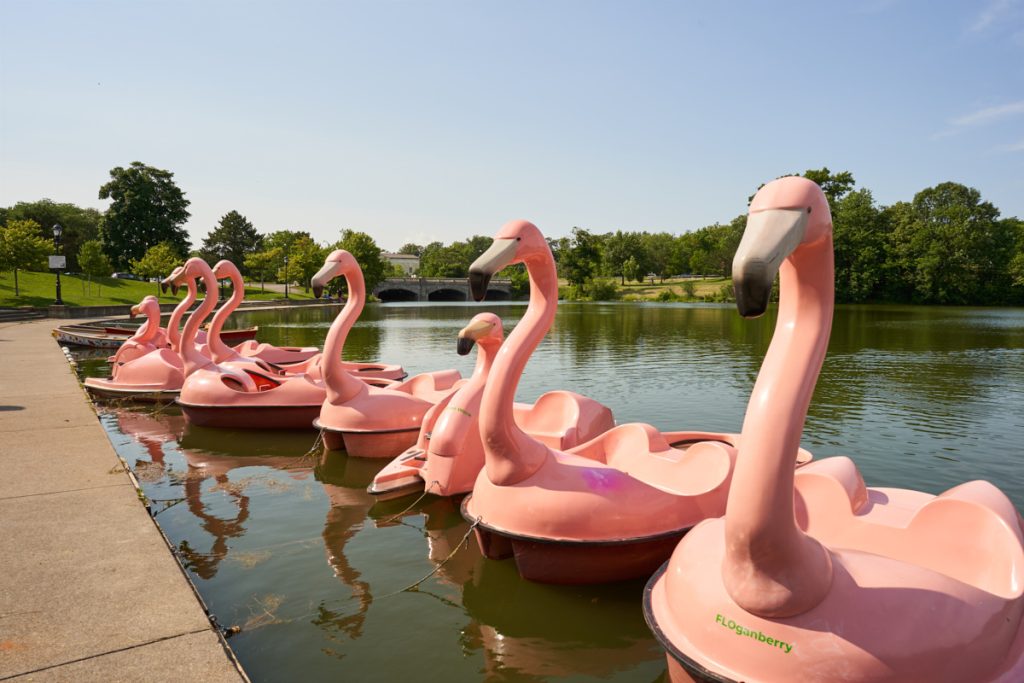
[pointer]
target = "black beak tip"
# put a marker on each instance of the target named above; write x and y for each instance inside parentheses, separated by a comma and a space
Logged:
(174, 289)
(163, 287)
(751, 297)
(318, 290)
(464, 346)
(478, 282)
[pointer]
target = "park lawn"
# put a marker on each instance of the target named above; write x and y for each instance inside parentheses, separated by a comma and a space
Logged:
(39, 290)
(705, 287)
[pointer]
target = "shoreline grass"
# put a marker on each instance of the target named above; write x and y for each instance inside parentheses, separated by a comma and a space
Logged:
(39, 289)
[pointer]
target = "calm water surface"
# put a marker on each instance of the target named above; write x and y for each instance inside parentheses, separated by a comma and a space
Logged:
(287, 544)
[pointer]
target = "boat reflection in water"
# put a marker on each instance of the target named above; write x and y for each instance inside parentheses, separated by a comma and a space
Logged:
(510, 628)
(525, 629)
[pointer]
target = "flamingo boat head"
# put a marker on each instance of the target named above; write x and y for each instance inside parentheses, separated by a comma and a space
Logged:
(225, 269)
(518, 241)
(484, 328)
(783, 216)
(811, 575)
(173, 281)
(149, 306)
(339, 262)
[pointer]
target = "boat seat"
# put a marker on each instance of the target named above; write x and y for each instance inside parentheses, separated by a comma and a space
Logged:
(642, 452)
(563, 419)
(970, 533)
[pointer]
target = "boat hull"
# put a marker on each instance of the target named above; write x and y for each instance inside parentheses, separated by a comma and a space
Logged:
(573, 562)
(251, 417)
(105, 390)
(368, 444)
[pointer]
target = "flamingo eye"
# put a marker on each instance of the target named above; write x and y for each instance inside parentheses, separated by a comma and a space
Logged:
(808, 209)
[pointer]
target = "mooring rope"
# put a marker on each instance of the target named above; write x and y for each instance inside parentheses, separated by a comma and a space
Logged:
(397, 517)
(414, 586)
(311, 452)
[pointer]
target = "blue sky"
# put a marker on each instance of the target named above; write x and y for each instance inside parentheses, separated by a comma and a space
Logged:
(416, 121)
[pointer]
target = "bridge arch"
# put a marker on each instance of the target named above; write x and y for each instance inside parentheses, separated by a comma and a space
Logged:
(446, 294)
(397, 294)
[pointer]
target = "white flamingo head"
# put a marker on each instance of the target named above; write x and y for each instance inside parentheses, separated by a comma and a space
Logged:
(785, 215)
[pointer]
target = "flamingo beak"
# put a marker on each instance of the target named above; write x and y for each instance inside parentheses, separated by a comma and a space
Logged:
(769, 238)
(133, 312)
(322, 277)
(469, 334)
(501, 253)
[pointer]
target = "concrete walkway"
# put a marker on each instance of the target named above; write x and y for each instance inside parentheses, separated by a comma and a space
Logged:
(89, 590)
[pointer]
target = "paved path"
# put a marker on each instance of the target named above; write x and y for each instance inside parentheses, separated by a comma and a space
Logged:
(89, 590)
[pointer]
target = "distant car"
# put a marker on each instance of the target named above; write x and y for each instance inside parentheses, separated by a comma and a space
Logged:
(126, 276)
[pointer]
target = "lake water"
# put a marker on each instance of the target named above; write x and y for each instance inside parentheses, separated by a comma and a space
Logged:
(288, 546)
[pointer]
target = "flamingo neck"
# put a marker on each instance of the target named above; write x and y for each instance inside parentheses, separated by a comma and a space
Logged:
(190, 356)
(220, 351)
(341, 385)
(771, 567)
(174, 322)
(510, 456)
(487, 350)
(148, 330)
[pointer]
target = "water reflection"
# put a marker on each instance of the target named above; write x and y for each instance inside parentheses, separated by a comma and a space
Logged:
(289, 546)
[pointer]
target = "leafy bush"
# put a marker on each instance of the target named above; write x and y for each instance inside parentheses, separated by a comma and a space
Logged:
(603, 290)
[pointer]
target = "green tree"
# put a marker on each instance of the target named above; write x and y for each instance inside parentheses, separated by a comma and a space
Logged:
(233, 239)
(861, 237)
(619, 247)
(658, 251)
(93, 261)
(580, 257)
(305, 258)
(147, 209)
(367, 254)
(834, 185)
(79, 224)
(631, 270)
(949, 247)
(158, 261)
(21, 247)
(264, 264)
(411, 248)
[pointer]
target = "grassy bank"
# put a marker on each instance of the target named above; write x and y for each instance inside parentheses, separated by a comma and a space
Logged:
(672, 289)
(38, 289)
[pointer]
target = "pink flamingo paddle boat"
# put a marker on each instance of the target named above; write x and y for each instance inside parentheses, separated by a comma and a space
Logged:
(351, 312)
(222, 353)
(449, 454)
(608, 510)
(238, 394)
(153, 376)
(149, 337)
(811, 576)
(364, 420)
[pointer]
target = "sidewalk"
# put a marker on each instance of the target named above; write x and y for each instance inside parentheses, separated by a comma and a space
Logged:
(89, 590)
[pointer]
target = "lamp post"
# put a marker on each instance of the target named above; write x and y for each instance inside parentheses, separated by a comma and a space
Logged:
(57, 230)
(286, 276)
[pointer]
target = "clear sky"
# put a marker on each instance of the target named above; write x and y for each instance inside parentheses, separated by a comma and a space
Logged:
(416, 121)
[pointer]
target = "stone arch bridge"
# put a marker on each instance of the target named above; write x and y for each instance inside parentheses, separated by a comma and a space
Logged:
(437, 289)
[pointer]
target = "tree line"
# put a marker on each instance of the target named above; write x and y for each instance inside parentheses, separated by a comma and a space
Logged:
(945, 246)
(142, 232)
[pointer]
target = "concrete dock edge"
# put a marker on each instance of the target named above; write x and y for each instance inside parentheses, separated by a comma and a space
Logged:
(89, 588)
